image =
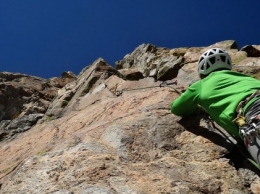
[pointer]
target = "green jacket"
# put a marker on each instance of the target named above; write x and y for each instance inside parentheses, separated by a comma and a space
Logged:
(219, 94)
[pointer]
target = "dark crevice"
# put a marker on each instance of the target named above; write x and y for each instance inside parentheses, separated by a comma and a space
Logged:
(238, 158)
(237, 155)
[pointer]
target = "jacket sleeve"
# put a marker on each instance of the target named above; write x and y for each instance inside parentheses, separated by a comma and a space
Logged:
(187, 103)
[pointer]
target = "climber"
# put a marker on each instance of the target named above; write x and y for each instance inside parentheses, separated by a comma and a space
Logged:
(230, 98)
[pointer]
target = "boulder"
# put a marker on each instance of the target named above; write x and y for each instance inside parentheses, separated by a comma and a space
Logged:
(226, 45)
(131, 74)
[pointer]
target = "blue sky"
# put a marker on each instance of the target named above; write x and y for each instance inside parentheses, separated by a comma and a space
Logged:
(47, 37)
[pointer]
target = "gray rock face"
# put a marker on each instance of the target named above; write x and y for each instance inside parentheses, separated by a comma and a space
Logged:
(23, 95)
(8, 128)
(151, 61)
(24, 100)
(103, 133)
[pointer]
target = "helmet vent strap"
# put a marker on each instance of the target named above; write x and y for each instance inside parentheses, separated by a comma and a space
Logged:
(208, 65)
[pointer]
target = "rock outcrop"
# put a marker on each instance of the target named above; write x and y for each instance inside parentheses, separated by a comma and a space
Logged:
(24, 100)
(109, 130)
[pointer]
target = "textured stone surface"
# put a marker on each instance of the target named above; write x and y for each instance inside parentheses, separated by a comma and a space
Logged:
(8, 128)
(103, 134)
(24, 100)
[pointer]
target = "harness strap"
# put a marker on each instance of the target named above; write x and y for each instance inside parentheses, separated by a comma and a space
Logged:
(249, 124)
(240, 119)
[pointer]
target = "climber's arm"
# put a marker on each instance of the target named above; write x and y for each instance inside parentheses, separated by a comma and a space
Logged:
(187, 103)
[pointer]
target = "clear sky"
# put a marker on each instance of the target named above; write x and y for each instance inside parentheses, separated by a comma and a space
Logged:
(47, 37)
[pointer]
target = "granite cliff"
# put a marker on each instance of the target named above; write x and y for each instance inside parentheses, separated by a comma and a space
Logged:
(109, 130)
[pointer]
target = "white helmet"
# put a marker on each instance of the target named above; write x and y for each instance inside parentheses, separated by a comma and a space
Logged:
(212, 60)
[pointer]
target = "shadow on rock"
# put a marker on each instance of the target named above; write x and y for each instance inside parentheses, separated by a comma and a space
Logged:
(192, 124)
(237, 155)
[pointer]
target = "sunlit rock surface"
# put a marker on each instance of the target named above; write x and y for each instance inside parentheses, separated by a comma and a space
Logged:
(108, 132)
